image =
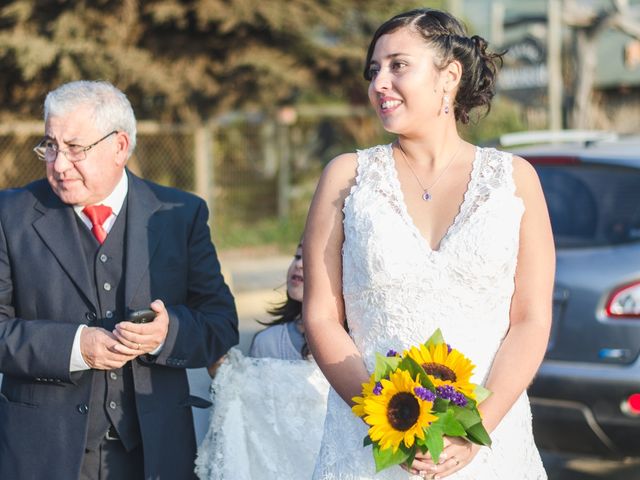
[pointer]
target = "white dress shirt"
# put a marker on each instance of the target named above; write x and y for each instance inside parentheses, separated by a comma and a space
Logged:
(115, 200)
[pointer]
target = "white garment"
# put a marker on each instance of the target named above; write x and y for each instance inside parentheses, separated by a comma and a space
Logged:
(266, 421)
(397, 291)
(276, 342)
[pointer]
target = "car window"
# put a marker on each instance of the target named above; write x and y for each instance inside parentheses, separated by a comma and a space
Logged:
(592, 205)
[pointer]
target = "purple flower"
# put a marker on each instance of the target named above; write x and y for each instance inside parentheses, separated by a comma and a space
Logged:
(377, 390)
(447, 392)
(459, 399)
(392, 353)
(424, 394)
(449, 348)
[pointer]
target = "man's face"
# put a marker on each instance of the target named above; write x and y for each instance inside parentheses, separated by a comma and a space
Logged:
(91, 180)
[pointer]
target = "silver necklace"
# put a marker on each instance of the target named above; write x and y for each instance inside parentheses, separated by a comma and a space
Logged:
(426, 196)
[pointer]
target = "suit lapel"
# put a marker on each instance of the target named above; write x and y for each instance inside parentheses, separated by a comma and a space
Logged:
(58, 230)
(142, 235)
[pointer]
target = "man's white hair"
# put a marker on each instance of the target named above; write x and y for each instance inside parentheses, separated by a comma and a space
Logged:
(111, 107)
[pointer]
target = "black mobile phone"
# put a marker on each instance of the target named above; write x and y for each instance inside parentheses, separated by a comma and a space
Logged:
(142, 316)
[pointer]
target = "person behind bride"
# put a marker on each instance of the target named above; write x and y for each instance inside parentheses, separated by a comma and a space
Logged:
(429, 232)
(284, 338)
(268, 408)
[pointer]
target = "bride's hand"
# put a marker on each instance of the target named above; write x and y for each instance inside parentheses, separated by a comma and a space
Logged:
(457, 453)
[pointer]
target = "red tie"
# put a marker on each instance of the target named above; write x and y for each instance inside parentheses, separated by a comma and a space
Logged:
(98, 214)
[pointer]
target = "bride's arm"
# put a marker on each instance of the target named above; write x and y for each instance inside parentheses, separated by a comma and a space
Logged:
(323, 305)
(524, 346)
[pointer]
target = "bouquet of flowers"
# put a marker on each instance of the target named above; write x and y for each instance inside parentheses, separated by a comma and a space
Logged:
(413, 400)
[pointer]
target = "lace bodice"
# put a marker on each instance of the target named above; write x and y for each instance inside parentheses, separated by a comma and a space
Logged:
(397, 291)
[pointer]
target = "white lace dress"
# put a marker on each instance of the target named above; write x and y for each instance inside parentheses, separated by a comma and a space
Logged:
(266, 420)
(397, 291)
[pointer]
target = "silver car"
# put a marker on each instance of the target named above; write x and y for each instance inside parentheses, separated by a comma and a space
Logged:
(586, 396)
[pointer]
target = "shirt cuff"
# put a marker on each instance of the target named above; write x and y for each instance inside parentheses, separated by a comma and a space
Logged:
(77, 362)
(157, 350)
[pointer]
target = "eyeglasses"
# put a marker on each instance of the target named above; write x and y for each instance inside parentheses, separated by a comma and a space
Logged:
(47, 150)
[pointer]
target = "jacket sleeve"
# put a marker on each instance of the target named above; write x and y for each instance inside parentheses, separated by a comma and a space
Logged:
(35, 349)
(205, 327)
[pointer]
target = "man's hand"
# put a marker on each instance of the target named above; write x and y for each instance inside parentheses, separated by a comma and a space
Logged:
(138, 338)
(213, 368)
(97, 349)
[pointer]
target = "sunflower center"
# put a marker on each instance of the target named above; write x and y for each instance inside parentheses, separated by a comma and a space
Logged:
(440, 371)
(403, 411)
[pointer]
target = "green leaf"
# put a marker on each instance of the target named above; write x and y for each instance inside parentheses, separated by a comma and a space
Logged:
(441, 405)
(416, 371)
(435, 338)
(471, 403)
(450, 426)
(422, 443)
(384, 366)
(482, 393)
(367, 441)
(412, 455)
(478, 434)
(386, 458)
(467, 417)
(434, 441)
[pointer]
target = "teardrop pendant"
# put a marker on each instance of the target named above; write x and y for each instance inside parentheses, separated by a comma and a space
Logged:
(426, 196)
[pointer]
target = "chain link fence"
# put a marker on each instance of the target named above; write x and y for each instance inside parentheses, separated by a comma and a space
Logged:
(256, 171)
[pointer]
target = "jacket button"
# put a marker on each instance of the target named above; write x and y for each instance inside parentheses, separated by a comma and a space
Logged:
(90, 316)
(108, 314)
(103, 258)
(83, 408)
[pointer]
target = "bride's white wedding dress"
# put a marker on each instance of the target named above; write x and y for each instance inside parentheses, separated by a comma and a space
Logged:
(397, 291)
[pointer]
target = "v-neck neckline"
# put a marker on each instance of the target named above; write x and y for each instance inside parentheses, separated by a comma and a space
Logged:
(404, 211)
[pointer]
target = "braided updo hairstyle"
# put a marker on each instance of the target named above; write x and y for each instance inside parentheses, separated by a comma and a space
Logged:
(448, 37)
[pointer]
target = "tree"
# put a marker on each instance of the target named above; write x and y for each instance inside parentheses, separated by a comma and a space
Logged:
(189, 60)
(588, 24)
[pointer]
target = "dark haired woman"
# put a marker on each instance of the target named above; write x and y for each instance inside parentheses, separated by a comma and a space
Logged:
(267, 415)
(284, 336)
(429, 232)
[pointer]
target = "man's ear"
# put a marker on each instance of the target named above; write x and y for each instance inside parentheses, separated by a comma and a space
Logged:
(122, 148)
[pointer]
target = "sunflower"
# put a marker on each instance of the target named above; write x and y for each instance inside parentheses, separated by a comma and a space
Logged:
(445, 367)
(367, 389)
(399, 412)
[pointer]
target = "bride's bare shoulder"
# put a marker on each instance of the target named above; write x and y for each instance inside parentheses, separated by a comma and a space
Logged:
(339, 175)
(343, 167)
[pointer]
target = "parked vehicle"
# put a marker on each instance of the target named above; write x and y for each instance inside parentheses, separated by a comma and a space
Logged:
(586, 395)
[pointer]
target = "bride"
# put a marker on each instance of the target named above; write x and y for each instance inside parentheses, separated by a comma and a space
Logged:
(429, 232)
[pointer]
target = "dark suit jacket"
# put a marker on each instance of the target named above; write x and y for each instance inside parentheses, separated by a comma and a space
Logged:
(46, 292)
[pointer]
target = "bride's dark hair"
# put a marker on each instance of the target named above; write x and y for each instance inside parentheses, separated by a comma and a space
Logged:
(448, 36)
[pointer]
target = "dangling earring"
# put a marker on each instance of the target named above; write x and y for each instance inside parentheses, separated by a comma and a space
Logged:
(445, 99)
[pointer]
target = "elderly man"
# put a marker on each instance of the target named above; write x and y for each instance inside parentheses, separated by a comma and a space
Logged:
(87, 393)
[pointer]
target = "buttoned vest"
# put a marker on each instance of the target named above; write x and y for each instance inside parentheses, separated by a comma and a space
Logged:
(112, 397)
